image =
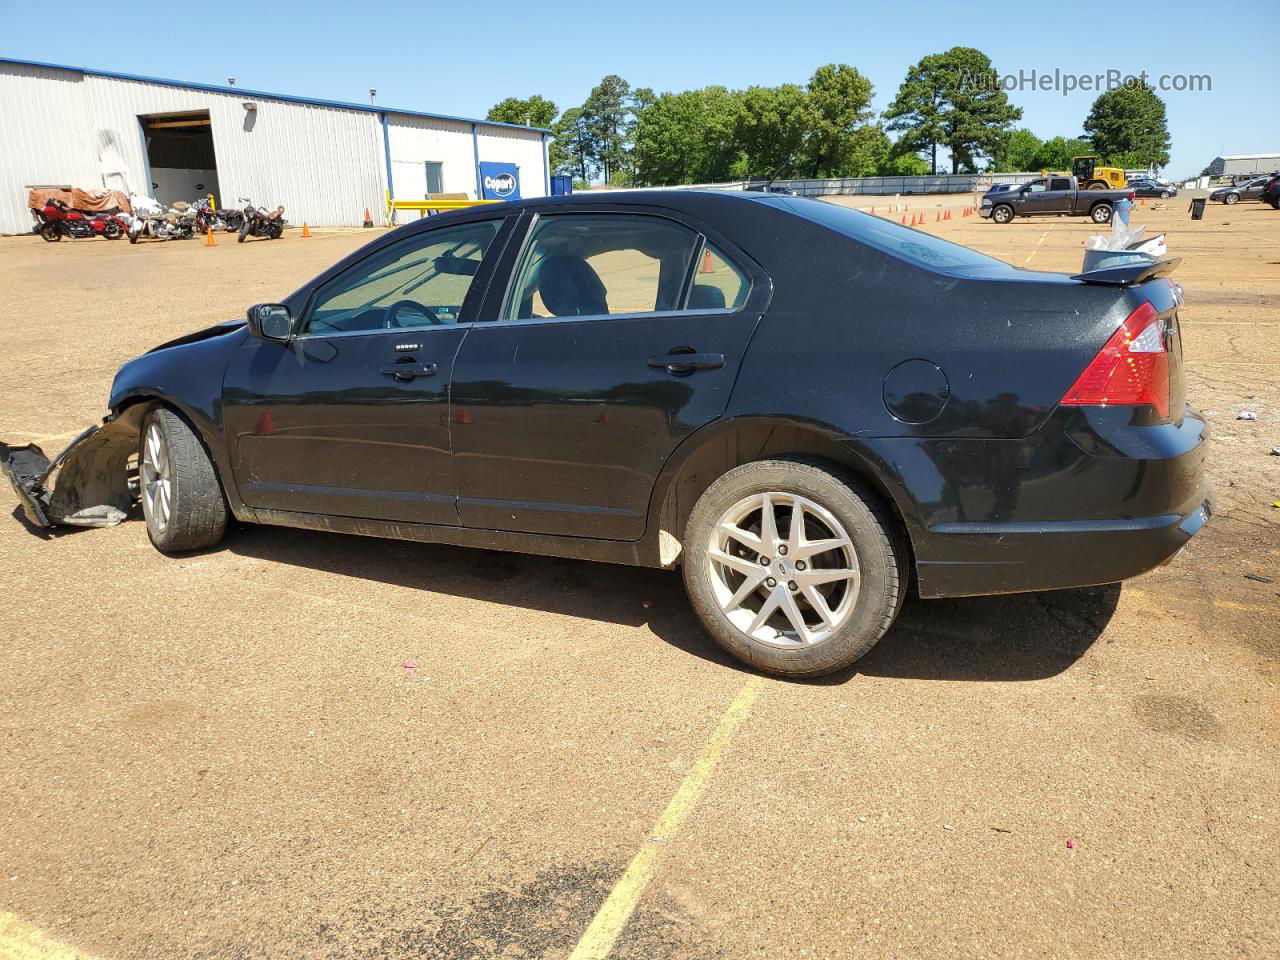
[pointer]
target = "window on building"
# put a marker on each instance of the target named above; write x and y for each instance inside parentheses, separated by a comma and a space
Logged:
(435, 178)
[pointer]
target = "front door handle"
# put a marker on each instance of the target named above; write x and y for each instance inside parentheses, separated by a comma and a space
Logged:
(686, 362)
(409, 371)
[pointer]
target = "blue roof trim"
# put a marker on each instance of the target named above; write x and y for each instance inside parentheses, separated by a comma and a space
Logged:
(287, 98)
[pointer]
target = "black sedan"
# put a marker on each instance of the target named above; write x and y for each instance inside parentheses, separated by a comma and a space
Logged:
(806, 407)
(1152, 188)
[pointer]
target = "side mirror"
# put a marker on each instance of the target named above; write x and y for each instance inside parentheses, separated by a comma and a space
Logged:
(270, 321)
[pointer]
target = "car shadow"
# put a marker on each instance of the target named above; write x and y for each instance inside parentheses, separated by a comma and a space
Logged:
(1019, 637)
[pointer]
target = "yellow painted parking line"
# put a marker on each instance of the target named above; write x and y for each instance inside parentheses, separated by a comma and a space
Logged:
(1037, 246)
(616, 911)
(19, 940)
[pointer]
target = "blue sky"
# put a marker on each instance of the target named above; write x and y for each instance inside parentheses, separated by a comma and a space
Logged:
(460, 58)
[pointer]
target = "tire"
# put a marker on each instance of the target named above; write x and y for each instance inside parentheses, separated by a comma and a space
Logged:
(1164, 194)
(111, 230)
(1002, 213)
(50, 233)
(244, 232)
(1101, 213)
(1098, 185)
(182, 500)
(860, 609)
(1231, 198)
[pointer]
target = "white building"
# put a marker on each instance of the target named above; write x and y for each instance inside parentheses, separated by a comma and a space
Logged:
(325, 161)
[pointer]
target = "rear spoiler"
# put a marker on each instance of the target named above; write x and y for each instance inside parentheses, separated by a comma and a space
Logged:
(1130, 274)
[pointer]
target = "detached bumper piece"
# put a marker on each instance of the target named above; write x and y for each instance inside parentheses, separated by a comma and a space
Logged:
(87, 485)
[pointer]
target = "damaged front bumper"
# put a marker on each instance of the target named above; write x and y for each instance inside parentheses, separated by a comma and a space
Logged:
(88, 484)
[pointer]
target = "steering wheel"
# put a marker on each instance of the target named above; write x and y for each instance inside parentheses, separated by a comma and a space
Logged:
(391, 318)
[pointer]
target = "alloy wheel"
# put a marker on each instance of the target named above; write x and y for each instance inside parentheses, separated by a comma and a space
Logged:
(157, 486)
(783, 569)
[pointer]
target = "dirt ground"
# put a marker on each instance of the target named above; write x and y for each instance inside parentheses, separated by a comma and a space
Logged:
(224, 755)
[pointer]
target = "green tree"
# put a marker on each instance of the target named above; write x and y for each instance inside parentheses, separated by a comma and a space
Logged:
(768, 130)
(1056, 154)
(534, 111)
(687, 137)
(951, 100)
(571, 149)
(837, 104)
(1130, 120)
(1016, 152)
(608, 116)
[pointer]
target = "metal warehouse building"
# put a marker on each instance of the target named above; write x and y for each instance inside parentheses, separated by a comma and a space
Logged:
(325, 161)
(1244, 163)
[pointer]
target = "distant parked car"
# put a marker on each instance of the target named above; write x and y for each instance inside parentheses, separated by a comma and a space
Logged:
(1061, 196)
(1250, 190)
(1147, 187)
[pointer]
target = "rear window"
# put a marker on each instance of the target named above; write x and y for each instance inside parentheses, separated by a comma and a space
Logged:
(885, 235)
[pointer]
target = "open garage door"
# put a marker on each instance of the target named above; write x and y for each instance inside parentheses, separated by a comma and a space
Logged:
(180, 156)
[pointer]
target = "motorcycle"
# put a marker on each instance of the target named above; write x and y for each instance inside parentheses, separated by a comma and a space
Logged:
(58, 221)
(260, 222)
(207, 218)
(152, 221)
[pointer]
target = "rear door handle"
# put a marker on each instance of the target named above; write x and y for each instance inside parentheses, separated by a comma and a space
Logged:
(409, 371)
(684, 362)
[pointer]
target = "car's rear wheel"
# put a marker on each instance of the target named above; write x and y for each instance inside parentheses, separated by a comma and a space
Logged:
(1101, 213)
(181, 499)
(1002, 213)
(793, 568)
(1231, 198)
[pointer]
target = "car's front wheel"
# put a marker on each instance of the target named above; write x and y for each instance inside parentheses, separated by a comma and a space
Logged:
(793, 568)
(1164, 194)
(182, 501)
(1231, 198)
(1002, 213)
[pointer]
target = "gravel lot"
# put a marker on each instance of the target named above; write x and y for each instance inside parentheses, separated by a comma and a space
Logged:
(223, 755)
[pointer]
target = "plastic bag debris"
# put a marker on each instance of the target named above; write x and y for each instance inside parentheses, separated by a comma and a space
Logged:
(1247, 415)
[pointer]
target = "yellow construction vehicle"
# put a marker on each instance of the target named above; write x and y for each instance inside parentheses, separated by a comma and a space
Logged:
(1093, 176)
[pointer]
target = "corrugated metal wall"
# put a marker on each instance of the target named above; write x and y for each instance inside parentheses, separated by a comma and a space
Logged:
(447, 142)
(524, 150)
(43, 138)
(326, 164)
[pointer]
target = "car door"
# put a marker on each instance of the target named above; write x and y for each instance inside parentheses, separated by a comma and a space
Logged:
(1057, 198)
(350, 416)
(1030, 197)
(620, 333)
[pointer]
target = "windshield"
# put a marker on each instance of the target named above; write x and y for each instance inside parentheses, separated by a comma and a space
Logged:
(912, 245)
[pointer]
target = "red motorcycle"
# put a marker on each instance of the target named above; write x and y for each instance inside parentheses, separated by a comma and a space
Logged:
(57, 220)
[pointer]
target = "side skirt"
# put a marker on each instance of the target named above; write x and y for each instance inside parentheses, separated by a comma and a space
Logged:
(640, 553)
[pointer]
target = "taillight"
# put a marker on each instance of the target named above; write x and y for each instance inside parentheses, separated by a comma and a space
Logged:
(1131, 369)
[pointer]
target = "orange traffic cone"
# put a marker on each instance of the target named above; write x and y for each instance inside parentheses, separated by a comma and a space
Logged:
(937, 216)
(904, 219)
(208, 238)
(706, 261)
(306, 231)
(463, 416)
(368, 220)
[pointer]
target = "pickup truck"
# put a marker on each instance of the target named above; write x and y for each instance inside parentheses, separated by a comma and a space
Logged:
(1052, 195)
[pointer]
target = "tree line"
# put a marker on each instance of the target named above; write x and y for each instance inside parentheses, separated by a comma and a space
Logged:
(628, 136)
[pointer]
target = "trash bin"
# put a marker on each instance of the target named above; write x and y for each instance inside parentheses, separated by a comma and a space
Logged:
(1197, 208)
(1122, 210)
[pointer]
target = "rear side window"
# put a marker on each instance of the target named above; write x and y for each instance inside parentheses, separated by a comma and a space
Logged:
(718, 284)
(585, 265)
(1061, 184)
